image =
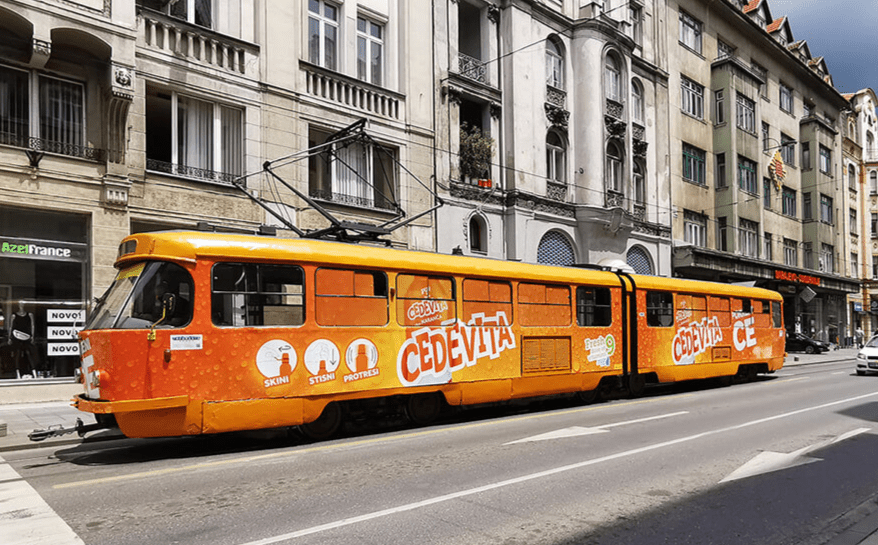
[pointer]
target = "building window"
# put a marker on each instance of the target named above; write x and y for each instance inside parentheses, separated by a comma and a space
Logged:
(827, 258)
(353, 173)
(806, 155)
(806, 207)
(639, 260)
(721, 170)
(556, 158)
(787, 150)
(765, 139)
(370, 51)
(873, 182)
(721, 239)
(746, 114)
(826, 209)
(636, 15)
(197, 12)
(639, 183)
(763, 74)
(747, 179)
(786, 98)
(724, 50)
(790, 253)
(323, 34)
(555, 249)
(807, 109)
(478, 235)
(855, 265)
(614, 167)
(190, 137)
(766, 193)
(873, 225)
(695, 228)
(719, 102)
(749, 233)
(693, 165)
(60, 105)
(613, 78)
(767, 250)
(554, 65)
(788, 200)
(875, 267)
(853, 221)
(637, 101)
(825, 160)
(692, 98)
(852, 177)
(690, 32)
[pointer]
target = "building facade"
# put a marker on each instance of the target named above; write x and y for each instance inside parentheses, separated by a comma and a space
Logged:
(123, 116)
(756, 171)
(570, 99)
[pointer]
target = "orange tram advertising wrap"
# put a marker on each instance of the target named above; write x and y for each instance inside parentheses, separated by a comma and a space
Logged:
(208, 333)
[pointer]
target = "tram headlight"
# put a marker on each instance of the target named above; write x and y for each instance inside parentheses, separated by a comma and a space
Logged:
(96, 378)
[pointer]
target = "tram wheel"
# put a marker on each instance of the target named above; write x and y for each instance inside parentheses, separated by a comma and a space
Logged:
(326, 425)
(422, 409)
(588, 396)
(636, 385)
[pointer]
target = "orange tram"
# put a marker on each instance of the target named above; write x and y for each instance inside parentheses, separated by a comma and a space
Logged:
(206, 333)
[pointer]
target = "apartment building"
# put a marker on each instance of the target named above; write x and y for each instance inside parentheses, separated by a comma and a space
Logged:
(564, 105)
(123, 116)
(759, 194)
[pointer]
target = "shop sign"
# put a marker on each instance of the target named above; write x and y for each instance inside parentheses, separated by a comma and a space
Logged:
(799, 278)
(70, 321)
(48, 250)
(62, 315)
(858, 307)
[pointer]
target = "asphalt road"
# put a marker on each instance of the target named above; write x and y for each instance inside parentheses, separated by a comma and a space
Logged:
(780, 460)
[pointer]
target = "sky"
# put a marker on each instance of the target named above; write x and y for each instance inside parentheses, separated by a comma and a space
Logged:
(843, 32)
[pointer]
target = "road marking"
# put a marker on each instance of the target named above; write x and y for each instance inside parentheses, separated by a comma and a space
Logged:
(840, 373)
(768, 461)
(25, 518)
(542, 474)
(577, 431)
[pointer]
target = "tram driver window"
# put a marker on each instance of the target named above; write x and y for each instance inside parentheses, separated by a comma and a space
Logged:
(593, 307)
(659, 309)
(253, 294)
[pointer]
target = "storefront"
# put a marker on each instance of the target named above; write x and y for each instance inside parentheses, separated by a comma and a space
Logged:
(815, 303)
(44, 278)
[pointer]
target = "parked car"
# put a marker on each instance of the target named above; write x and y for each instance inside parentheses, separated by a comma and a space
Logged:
(867, 357)
(797, 342)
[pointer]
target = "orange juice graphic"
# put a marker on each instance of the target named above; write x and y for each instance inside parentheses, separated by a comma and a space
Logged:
(362, 361)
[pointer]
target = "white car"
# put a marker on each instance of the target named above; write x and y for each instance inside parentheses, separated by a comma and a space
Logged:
(867, 358)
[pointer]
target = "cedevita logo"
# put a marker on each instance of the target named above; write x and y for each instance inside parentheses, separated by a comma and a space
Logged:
(33, 249)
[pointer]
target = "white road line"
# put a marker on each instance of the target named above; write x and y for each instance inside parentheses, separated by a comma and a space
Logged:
(540, 475)
(578, 431)
(647, 419)
(25, 518)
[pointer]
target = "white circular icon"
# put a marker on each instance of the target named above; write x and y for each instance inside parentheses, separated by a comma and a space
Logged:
(276, 358)
(322, 357)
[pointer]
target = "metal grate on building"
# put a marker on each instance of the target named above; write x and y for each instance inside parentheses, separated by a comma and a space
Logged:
(639, 261)
(555, 249)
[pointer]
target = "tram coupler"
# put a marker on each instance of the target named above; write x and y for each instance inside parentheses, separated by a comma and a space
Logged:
(58, 430)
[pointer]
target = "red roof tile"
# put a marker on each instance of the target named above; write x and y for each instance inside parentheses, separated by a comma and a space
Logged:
(752, 5)
(776, 24)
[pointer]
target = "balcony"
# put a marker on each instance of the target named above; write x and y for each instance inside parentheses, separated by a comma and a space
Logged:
(50, 146)
(378, 202)
(196, 44)
(472, 68)
(556, 191)
(352, 93)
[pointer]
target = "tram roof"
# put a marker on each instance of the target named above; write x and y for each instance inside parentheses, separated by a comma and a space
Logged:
(188, 246)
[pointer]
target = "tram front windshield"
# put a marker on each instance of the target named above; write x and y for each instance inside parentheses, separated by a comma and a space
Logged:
(153, 294)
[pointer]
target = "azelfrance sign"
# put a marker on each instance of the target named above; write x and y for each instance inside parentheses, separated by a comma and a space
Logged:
(27, 248)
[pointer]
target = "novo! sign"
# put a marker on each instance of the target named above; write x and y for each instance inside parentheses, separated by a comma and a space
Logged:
(40, 249)
(799, 278)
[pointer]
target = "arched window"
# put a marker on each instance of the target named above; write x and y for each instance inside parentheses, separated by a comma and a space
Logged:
(478, 235)
(614, 167)
(555, 249)
(639, 260)
(554, 65)
(613, 78)
(637, 101)
(873, 182)
(852, 177)
(639, 183)
(556, 158)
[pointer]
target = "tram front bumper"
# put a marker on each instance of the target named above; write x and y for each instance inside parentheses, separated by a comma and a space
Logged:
(98, 406)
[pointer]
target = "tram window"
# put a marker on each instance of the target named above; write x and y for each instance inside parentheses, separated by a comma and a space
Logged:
(719, 309)
(484, 301)
(691, 308)
(347, 297)
(543, 305)
(776, 315)
(741, 307)
(148, 294)
(761, 314)
(659, 309)
(252, 294)
(425, 300)
(593, 307)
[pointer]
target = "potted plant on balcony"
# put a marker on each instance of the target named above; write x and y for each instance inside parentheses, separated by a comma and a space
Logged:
(475, 153)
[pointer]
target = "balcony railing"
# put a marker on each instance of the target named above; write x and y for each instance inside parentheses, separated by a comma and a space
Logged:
(196, 44)
(50, 146)
(379, 202)
(472, 68)
(353, 93)
(556, 191)
(185, 171)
